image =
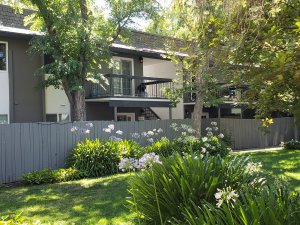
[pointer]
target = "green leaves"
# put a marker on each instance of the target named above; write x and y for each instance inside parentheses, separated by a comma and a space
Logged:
(183, 183)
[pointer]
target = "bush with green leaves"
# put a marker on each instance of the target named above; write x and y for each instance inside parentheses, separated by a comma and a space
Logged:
(270, 206)
(39, 177)
(99, 158)
(68, 174)
(53, 176)
(159, 192)
(291, 145)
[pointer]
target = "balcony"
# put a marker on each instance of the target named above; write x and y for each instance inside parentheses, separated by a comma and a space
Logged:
(227, 94)
(126, 86)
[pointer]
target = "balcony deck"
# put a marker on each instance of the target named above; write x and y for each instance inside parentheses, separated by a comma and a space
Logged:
(126, 86)
(130, 91)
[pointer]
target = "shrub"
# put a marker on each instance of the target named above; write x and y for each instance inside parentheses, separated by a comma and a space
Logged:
(268, 207)
(53, 176)
(189, 144)
(99, 158)
(181, 180)
(95, 158)
(128, 148)
(63, 175)
(163, 147)
(39, 177)
(291, 145)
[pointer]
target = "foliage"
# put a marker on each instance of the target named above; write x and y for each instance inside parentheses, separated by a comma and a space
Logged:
(14, 219)
(53, 176)
(99, 158)
(267, 207)
(270, 59)
(68, 174)
(208, 30)
(163, 147)
(39, 177)
(95, 158)
(185, 179)
(291, 145)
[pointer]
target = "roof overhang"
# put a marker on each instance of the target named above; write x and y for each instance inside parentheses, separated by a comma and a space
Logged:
(18, 32)
(145, 52)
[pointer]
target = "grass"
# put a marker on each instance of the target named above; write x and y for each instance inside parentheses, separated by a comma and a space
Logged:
(281, 163)
(88, 201)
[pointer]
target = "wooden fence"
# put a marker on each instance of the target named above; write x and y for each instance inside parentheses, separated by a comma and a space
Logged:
(25, 147)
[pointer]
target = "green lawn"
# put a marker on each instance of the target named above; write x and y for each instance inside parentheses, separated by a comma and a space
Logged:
(103, 200)
(282, 163)
(88, 201)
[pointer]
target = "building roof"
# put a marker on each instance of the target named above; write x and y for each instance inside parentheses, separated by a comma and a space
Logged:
(139, 42)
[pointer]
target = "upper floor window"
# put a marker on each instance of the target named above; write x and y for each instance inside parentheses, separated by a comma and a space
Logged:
(3, 57)
(122, 66)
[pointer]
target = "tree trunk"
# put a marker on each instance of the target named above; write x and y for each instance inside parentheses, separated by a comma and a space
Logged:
(77, 106)
(197, 114)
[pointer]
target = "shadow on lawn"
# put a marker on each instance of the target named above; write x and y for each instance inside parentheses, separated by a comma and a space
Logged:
(80, 202)
(284, 164)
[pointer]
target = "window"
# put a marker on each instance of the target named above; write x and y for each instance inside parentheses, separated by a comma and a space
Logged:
(3, 119)
(62, 117)
(125, 117)
(3, 57)
(122, 86)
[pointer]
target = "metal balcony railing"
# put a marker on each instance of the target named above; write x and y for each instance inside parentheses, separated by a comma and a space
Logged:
(229, 93)
(128, 86)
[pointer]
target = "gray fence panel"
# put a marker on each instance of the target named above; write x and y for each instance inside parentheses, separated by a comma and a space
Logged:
(25, 147)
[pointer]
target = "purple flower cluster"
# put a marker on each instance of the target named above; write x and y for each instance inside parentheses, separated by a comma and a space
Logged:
(82, 130)
(149, 135)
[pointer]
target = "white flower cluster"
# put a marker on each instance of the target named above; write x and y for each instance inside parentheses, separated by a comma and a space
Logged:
(252, 167)
(146, 161)
(82, 130)
(109, 129)
(128, 164)
(183, 128)
(149, 135)
(227, 195)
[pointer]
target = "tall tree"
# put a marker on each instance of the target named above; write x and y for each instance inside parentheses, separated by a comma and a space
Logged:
(272, 63)
(76, 37)
(210, 30)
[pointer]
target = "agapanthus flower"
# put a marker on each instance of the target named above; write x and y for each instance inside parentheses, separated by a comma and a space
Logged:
(227, 195)
(89, 125)
(74, 128)
(107, 130)
(204, 139)
(214, 123)
(119, 132)
(209, 134)
(135, 135)
(159, 130)
(221, 136)
(252, 167)
(111, 126)
(148, 160)
(144, 134)
(150, 133)
(128, 164)
(151, 140)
